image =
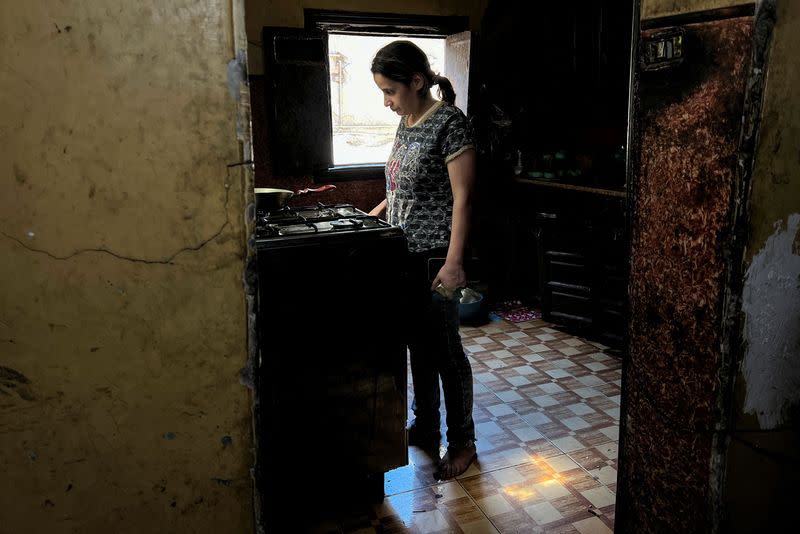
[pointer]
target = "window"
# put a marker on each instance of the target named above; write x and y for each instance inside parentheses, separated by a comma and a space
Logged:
(326, 117)
(363, 129)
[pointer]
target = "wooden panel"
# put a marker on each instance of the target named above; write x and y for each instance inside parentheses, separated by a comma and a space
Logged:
(298, 99)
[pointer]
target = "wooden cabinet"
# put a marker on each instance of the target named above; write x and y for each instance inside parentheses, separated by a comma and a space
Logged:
(581, 256)
(611, 287)
(563, 113)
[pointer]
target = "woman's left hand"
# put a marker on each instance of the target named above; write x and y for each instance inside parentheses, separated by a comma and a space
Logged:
(451, 276)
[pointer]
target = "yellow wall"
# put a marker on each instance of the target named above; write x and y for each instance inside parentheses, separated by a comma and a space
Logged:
(663, 8)
(760, 481)
(771, 300)
(122, 311)
(776, 176)
(289, 13)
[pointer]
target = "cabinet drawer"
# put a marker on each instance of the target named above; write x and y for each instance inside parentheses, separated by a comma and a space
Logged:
(613, 288)
(565, 255)
(568, 273)
(575, 320)
(569, 304)
(574, 289)
(611, 323)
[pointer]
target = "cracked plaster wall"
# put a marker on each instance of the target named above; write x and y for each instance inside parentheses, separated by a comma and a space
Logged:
(122, 311)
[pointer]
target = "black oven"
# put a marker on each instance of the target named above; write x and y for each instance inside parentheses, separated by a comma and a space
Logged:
(331, 377)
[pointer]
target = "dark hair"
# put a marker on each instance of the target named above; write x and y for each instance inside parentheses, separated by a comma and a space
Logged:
(400, 60)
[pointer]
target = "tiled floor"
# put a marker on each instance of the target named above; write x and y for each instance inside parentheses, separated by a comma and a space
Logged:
(547, 420)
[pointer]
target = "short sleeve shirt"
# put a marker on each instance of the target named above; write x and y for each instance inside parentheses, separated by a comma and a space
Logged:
(418, 193)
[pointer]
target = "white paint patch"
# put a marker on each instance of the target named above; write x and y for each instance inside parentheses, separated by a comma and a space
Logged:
(237, 74)
(771, 304)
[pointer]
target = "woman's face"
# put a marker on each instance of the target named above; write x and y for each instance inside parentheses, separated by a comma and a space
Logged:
(397, 96)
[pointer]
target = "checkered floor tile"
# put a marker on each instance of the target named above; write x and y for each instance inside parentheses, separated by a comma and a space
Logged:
(546, 416)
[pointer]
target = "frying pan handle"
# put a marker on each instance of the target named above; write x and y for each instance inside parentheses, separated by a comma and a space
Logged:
(319, 189)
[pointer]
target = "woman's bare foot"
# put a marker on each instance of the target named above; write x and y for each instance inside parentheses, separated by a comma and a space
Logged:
(455, 462)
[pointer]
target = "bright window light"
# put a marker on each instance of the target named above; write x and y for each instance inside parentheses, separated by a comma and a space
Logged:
(363, 130)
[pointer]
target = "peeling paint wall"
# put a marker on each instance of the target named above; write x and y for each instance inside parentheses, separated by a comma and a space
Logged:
(123, 321)
(289, 13)
(764, 453)
(771, 303)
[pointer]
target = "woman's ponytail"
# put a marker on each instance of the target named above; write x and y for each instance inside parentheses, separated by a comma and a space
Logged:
(446, 91)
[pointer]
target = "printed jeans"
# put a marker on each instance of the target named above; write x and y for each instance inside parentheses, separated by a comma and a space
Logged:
(436, 351)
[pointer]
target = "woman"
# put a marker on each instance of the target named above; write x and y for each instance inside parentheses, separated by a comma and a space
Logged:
(429, 182)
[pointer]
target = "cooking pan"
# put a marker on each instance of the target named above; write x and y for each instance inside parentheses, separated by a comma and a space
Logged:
(269, 199)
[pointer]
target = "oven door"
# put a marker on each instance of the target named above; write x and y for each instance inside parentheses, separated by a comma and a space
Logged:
(332, 377)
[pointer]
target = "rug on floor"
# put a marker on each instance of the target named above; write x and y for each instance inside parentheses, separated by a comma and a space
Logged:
(514, 311)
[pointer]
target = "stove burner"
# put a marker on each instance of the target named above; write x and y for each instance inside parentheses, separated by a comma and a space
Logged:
(319, 219)
(347, 223)
(320, 212)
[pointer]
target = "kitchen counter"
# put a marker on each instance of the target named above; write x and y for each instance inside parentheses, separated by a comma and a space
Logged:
(561, 185)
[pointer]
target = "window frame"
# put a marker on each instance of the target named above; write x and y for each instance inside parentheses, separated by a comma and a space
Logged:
(375, 24)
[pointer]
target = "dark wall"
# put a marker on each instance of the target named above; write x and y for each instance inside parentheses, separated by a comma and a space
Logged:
(554, 75)
(363, 194)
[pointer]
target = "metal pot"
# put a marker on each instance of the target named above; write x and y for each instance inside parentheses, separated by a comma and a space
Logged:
(269, 199)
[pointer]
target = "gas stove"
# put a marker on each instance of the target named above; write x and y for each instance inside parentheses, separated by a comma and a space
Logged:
(320, 212)
(317, 221)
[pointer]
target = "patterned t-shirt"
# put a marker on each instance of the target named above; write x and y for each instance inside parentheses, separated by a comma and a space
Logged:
(418, 193)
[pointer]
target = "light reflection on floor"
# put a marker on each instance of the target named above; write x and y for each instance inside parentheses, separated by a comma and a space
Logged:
(547, 415)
